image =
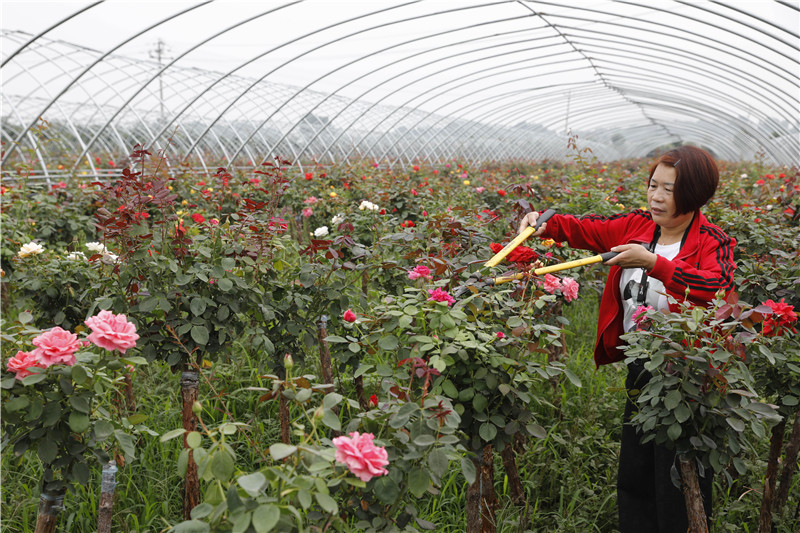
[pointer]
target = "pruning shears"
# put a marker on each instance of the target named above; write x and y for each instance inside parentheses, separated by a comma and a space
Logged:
(527, 232)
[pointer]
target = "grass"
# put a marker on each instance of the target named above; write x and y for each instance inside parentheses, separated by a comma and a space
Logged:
(569, 477)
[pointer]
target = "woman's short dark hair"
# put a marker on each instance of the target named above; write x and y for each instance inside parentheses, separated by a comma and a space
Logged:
(696, 177)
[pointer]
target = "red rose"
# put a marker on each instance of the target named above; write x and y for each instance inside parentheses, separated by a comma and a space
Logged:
(349, 316)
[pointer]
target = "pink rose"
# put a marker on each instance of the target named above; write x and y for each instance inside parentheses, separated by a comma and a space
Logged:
(112, 332)
(361, 456)
(56, 346)
(420, 271)
(501, 335)
(551, 283)
(480, 189)
(569, 289)
(439, 295)
(349, 316)
(21, 362)
(307, 212)
(640, 316)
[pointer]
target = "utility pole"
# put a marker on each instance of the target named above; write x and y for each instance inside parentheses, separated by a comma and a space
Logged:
(158, 54)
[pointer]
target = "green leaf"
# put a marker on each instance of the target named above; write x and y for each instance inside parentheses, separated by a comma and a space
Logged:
(479, 403)
(137, 418)
(327, 503)
(241, 523)
(25, 317)
(682, 413)
(674, 431)
(438, 462)
(280, 450)
(331, 400)
(572, 377)
(33, 379)
(197, 306)
(172, 434)
(47, 450)
(252, 483)
(225, 284)
(194, 439)
(265, 518)
(78, 422)
(331, 419)
(418, 481)
(191, 526)
(388, 343)
(673, 399)
(102, 430)
(468, 469)
(200, 335)
(79, 374)
(201, 511)
(488, 431)
(17, 404)
(125, 442)
(335, 338)
(736, 424)
(424, 440)
(449, 389)
(386, 489)
(80, 403)
(222, 465)
(789, 401)
(145, 306)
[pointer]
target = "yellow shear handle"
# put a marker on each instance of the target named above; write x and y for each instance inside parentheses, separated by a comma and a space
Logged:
(527, 232)
(600, 258)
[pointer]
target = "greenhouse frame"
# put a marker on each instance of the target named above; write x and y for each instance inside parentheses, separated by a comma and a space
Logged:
(227, 83)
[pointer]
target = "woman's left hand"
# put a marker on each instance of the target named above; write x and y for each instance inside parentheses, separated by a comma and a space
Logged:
(633, 256)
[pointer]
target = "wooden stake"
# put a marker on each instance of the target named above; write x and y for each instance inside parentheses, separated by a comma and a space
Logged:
(191, 495)
(51, 503)
(775, 447)
(514, 482)
(789, 466)
(695, 512)
(324, 353)
(106, 508)
(481, 499)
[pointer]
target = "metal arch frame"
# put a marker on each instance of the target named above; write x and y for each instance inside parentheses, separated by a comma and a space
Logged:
(699, 90)
(438, 109)
(646, 6)
(67, 116)
(512, 110)
(102, 57)
(445, 58)
(188, 51)
(409, 142)
(676, 51)
(46, 31)
(259, 80)
(341, 38)
(416, 67)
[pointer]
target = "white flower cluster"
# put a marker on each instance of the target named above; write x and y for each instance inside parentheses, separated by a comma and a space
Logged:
(100, 248)
(31, 248)
(321, 231)
(368, 205)
(76, 256)
(338, 219)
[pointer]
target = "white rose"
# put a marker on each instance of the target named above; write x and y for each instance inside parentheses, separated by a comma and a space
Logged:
(31, 248)
(76, 256)
(337, 219)
(109, 258)
(96, 247)
(321, 231)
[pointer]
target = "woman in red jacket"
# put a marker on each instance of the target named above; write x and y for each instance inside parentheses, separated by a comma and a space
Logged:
(671, 249)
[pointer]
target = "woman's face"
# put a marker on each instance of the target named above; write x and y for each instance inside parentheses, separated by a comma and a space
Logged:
(660, 199)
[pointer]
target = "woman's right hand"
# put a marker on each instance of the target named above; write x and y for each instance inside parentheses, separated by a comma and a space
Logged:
(529, 220)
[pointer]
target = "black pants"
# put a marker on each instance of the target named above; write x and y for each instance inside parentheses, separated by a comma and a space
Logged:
(647, 499)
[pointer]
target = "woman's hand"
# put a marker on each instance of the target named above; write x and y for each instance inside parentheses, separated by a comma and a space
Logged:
(633, 256)
(530, 220)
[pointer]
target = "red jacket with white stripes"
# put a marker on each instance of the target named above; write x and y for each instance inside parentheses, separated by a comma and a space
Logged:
(704, 264)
